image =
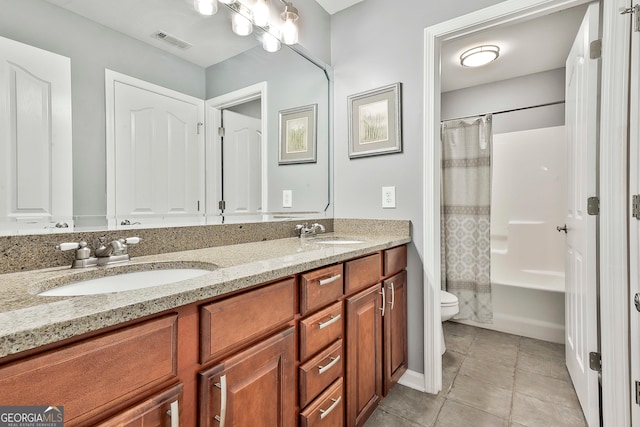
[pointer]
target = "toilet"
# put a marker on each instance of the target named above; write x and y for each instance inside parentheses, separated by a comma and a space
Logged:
(448, 308)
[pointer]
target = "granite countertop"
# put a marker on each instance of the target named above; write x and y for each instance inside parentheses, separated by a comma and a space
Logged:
(28, 321)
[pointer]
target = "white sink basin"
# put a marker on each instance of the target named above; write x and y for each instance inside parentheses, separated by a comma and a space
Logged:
(125, 282)
(338, 241)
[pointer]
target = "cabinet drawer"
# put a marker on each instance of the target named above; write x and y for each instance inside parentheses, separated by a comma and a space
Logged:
(321, 329)
(245, 317)
(395, 260)
(320, 287)
(319, 372)
(327, 410)
(91, 377)
(361, 273)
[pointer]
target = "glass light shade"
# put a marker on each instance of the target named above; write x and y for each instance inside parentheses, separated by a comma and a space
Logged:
(270, 43)
(261, 13)
(206, 7)
(479, 56)
(227, 1)
(241, 25)
(289, 32)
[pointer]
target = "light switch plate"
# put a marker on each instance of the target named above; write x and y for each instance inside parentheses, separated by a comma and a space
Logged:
(388, 197)
(287, 198)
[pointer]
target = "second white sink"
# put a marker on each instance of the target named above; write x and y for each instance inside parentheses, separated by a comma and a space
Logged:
(125, 282)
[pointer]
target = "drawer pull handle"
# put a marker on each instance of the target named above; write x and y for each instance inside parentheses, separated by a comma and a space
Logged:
(174, 414)
(222, 385)
(393, 295)
(325, 412)
(328, 280)
(323, 369)
(332, 320)
(384, 302)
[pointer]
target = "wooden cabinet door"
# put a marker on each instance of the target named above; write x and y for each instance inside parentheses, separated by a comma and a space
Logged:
(157, 411)
(255, 388)
(395, 329)
(364, 354)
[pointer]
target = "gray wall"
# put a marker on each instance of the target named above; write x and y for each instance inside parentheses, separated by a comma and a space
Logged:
(526, 91)
(291, 82)
(376, 43)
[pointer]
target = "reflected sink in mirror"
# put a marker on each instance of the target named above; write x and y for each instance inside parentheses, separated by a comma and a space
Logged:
(124, 281)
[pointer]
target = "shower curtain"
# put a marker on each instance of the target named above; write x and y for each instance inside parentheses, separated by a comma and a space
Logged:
(465, 215)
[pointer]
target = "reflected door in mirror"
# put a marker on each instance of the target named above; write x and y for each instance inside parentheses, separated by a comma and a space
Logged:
(159, 156)
(35, 140)
(242, 163)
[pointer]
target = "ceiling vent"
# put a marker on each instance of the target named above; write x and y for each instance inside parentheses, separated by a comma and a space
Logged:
(172, 40)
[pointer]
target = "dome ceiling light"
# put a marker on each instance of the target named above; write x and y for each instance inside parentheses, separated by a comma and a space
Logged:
(479, 56)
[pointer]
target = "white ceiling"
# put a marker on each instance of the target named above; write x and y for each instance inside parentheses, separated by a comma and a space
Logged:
(333, 6)
(533, 46)
(211, 36)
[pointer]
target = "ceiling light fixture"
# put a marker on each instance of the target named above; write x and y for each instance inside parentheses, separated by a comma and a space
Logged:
(261, 13)
(271, 42)
(289, 28)
(241, 25)
(227, 1)
(206, 7)
(479, 56)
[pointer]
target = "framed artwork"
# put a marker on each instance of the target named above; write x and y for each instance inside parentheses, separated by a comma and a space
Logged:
(298, 135)
(375, 122)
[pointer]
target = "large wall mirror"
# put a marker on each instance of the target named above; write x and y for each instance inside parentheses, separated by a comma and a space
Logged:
(232, 76)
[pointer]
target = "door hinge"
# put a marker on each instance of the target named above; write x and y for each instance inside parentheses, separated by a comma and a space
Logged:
(198, 126)
(595, 49)
(637, 392)
(222, 205)
(593, 205)
(595, 361)
(221, 132)
(635, 206)
(635, 11)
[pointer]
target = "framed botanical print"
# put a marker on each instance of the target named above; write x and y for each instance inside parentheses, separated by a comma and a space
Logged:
(375, 122)
(298, 135)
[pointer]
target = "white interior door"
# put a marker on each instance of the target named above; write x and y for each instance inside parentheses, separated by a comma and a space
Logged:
(36, 186)
(634, 226)
(157, 173)
(242, 163)
(580, 300)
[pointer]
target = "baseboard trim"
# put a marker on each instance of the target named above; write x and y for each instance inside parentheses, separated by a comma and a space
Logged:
(523, 326)
(413, 379)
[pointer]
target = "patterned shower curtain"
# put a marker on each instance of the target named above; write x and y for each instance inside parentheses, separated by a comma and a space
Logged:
(466, 215)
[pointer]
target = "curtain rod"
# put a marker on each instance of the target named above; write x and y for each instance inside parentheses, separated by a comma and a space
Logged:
(509, 111)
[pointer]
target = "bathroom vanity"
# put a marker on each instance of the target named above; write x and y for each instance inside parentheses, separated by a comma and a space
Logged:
(280, 333)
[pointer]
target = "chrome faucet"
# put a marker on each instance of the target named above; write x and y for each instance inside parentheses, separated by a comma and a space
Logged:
(304, 230)
(114, 252)
(83, 256)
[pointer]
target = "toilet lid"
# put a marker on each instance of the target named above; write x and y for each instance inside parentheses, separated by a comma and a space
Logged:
(447, 298)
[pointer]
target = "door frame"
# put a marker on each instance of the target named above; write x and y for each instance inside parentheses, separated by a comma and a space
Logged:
(634, 224)
(213, 120)
(612, 181)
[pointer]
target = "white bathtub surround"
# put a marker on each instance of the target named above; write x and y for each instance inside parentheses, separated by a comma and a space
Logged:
(466, 209)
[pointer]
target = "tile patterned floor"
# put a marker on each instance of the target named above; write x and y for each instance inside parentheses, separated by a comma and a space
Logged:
(490, 379)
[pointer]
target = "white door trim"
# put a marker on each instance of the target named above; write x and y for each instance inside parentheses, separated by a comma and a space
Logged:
(612, 181)
(213, 119)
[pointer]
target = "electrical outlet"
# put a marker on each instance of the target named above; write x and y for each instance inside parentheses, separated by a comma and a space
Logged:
(388, 197)
(287, 198)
